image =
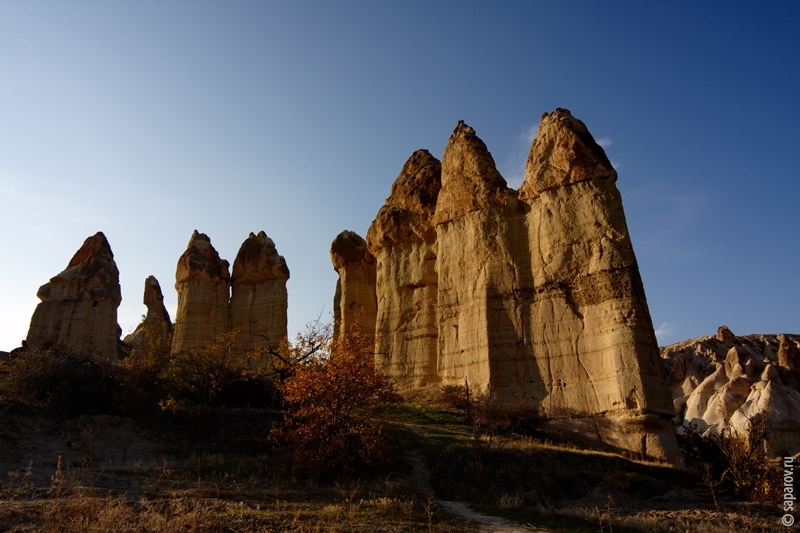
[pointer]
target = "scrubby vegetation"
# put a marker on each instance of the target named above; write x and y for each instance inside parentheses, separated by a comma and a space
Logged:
(309, 437)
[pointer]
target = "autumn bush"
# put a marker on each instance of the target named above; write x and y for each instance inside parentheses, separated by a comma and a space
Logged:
(331, 400)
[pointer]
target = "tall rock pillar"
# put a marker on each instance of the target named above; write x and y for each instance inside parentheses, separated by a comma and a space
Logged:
(355, 304)
(403, 239)
(203, 283)
(259, 300)
(483, 272)
(78, 308)
(157, 319)
(590, 327)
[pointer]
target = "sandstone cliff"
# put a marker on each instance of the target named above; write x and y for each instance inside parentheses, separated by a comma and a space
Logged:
(537, 294)
(259, 300)
(78, 308)
(727, 383)
(403, 240)
(157, 318)
(355, 304)
(203, 282)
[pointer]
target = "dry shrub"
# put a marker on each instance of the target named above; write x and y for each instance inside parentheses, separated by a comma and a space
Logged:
(330, 419)
(736, 465)
(487, 413)
(60, 382)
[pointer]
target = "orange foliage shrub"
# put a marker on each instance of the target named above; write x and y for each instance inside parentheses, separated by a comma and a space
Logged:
(330, 419)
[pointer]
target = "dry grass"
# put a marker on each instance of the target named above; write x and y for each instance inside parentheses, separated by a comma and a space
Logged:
(175, 504)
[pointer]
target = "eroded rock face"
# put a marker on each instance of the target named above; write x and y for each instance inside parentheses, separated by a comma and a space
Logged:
(78, 308)
(728, 382)
(202, 280)
(563, 153)
(480, 234)
(538, 294)
(157, 318)
(259, 301)
(590, 331)
(355, 305)
(403, 240)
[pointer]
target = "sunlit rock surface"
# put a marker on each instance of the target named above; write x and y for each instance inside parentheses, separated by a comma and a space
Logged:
(538, 297)
(403, 240)
(259, 300)
(203, 282)
(355, 304)
(78, 308)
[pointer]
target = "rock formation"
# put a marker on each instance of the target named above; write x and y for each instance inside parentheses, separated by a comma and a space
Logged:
(157, 318)
(590, 330)
(538, 294)
(403, 239)
(203, 283)
(258, 304)
(355, 304)
(728, 383)
(481, 246)
(78, 308)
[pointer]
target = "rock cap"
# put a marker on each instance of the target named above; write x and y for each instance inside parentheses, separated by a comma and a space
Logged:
(470, 180)
(350, 248)
(258, 261)
(409, 209)
(563, 153)
(201, 261)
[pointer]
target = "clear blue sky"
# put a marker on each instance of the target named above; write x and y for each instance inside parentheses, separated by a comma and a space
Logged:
(147, 120)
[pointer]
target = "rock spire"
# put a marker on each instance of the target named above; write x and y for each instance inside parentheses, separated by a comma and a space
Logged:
(203, 281)
(532, 296)
(258, 305)
(403, 239)
(355, 304)
(157, 318)
(78, 308)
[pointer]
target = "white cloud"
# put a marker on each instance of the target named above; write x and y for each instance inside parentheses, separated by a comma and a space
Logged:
(665, 332)
(514, 168)
(605, 142)
(529, 134)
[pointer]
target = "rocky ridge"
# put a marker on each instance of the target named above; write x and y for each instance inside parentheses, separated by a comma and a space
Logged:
(728, 383)
(403, 240)
(252, 303)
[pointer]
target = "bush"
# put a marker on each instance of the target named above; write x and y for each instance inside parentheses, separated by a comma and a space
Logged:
(733, 464)
(61, 383)
(330, 419)
(488, 414)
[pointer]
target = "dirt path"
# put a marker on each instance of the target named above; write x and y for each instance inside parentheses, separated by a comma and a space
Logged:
(420, 476)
